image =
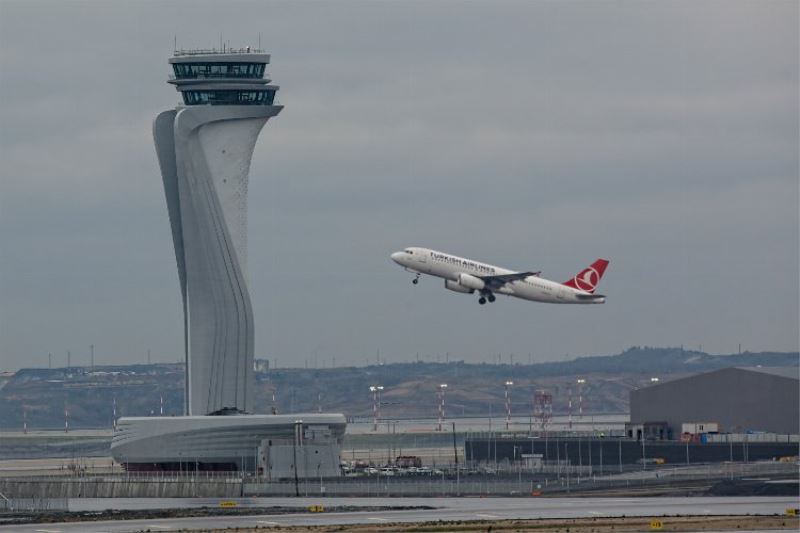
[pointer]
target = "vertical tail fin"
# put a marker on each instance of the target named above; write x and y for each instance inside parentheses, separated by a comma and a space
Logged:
(588, 278)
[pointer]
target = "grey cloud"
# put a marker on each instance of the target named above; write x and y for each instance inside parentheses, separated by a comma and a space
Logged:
(528, 134)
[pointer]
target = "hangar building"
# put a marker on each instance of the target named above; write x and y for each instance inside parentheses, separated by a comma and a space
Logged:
(738, 399)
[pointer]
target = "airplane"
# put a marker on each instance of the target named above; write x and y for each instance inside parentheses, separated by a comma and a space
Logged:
(468, 276)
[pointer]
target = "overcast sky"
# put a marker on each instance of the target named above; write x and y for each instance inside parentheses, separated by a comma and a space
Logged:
(532, 135)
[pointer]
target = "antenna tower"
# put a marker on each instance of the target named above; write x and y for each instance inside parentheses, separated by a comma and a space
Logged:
(543, 409)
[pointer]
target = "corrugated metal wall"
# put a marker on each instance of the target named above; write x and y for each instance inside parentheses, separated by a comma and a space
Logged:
(738, 399)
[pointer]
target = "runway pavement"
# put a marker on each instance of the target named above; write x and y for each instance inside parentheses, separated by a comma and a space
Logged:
(446, 509)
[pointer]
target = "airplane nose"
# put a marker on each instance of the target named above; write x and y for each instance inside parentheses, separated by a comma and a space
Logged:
(397, 256)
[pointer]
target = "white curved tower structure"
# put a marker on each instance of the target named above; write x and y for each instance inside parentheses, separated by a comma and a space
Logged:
(204, 149)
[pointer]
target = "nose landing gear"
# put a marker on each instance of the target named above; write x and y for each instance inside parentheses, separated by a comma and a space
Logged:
(415, 280)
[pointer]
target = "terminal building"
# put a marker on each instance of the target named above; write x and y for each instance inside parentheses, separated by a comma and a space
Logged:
(204, 148)
(732, 400)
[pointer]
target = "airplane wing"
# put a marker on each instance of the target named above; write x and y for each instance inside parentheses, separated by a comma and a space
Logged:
(501, 279)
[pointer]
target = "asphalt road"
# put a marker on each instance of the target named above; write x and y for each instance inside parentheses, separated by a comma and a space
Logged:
(446, 509)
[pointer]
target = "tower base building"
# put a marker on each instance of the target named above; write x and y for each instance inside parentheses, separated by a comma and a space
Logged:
(274, 446)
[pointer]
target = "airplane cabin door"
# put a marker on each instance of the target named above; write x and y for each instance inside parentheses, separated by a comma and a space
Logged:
(423, 262)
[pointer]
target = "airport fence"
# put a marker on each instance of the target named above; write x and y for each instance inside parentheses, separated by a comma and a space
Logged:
(521, 483)
(31, 505)
(46, 490)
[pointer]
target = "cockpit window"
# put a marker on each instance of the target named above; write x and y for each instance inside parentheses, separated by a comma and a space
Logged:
(410, 252)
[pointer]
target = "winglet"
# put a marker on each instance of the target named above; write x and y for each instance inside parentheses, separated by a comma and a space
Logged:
(588, 278)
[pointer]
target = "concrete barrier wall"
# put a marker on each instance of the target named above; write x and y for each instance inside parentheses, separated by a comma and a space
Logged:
(99, 488)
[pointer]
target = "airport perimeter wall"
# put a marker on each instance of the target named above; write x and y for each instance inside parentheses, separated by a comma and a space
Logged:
(623, 451)
(677, 479)
(120, 488)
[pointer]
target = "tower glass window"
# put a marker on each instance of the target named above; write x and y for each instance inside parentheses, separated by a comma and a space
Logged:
(229, 97)
(189, 71)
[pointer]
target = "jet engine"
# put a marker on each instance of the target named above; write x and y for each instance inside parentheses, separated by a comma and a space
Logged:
(471, 282)
(454, 286)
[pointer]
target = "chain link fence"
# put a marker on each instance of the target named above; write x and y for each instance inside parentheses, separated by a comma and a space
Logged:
(566, 480)
(31, 505)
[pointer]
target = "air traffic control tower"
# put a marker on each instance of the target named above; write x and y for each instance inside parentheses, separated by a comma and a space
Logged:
(204, 148)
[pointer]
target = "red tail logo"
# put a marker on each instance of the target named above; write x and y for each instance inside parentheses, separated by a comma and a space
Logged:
(588, 278)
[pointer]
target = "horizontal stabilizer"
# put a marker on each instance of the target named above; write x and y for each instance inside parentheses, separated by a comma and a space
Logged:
(581, 296)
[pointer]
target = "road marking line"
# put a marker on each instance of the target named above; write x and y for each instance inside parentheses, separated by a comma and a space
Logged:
(487, 515)
(267, 522)
(375, 518)
(595, 512)
(48, 530)
(158, 526)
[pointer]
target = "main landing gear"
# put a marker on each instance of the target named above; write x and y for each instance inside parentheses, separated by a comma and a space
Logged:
(486, 296)
(416, 280)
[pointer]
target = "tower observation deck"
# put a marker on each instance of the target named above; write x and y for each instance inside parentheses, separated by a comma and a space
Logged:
(204, 148)
(222, 77)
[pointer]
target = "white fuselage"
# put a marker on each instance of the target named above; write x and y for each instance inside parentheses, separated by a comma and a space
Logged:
(451, 267)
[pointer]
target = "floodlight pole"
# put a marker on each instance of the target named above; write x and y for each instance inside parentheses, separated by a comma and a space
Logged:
(569, 393)
(298, 434)
(581, 382)
(508, 384)
(442, 388)
(376, 404)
